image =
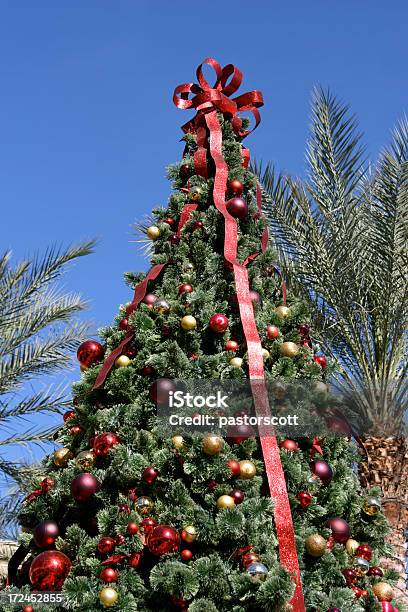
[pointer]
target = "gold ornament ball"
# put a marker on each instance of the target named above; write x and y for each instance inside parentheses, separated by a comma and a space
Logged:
(383, 591)
(247, 469)
(315, 545)
(195, 194)
(178, 442)
(265, 353)
(122, 361)
(372, 506)
(236, 362)
(225, 501)
(62, 456)
(108, 597)
(289, 349)
(188, 322)
(212, 444)
(85, 459)
(189, 534)
(351, 546)
(153, 232)
(161, 307)
(144, 505)
(282, 312)
(361, 566)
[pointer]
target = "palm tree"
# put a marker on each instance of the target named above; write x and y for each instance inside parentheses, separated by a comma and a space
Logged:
(38, 331)
(342, 236)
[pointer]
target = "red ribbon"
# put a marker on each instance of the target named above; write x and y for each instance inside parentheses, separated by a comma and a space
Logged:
(208, 101)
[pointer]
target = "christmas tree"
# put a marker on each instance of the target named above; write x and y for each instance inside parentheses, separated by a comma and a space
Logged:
(135, 520)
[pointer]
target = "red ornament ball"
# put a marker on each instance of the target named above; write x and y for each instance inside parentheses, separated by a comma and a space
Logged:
(290, 446)
(148, 524)
(375, 571)
(134, 560)
(90, 352)
(148, 371)
(46, 533)
(47, 484)
(149, 299)
(365, 551)
(106, 545)
(322, 470)
(150, 474)
(304, 498)
(108, 574)
(320, 360)
(197, 225)
(238, 496)
(249, 558)
(75, 430)
(160, 389)
(218, 323)
(340, 529)
(169, 221)
(234, 467)
(186, 555)
(231, 345)
(48, 570)
(132, 528)
(104, 442)
(27, 609)
(185, 288)
(119, 539)
(70, 414)
(84, 486)
(236, 187)
(237, 434)
(350, 576)
(124, 325)
(237, 207)
(163, 540)
(272, 332)
(358, 592)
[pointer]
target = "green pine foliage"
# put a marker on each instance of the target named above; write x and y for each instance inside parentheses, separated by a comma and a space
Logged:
(189, 482)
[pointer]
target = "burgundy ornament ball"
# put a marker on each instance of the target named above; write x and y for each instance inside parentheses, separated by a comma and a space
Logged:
(108, 574)
(84, 486)
(234, 467)
(104, 442)
(125, 508)
(149, 299)
(186, 555)
(119, 539)
(70, 414)
(236, 187)
(148, 524)
(218, 323)
(150, 474)
(350, 576)
(160, 389)
(304, 330)
(124, 324)
(340, 529)
(236, 434)
(322, 470)
(90, 352)
(48, 570)
(197, 225)
(237, 207)
(320, 360)
(45, 533)
(174, 239)
(163, 540)
(184, 171)
(375, 571)
(134, 560)
(304, 498)
(75, 430)
(238, 496)
(106, 545)
(148, 371)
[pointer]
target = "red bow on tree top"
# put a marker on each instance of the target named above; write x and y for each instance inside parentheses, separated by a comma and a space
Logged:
(207, 97)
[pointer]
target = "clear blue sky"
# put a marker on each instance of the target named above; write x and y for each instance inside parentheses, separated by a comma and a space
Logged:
(87, 123)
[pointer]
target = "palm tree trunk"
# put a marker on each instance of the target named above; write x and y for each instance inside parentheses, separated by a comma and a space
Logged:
(387, 468)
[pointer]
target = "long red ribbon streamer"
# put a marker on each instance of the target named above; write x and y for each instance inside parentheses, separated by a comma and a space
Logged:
(273, 465)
